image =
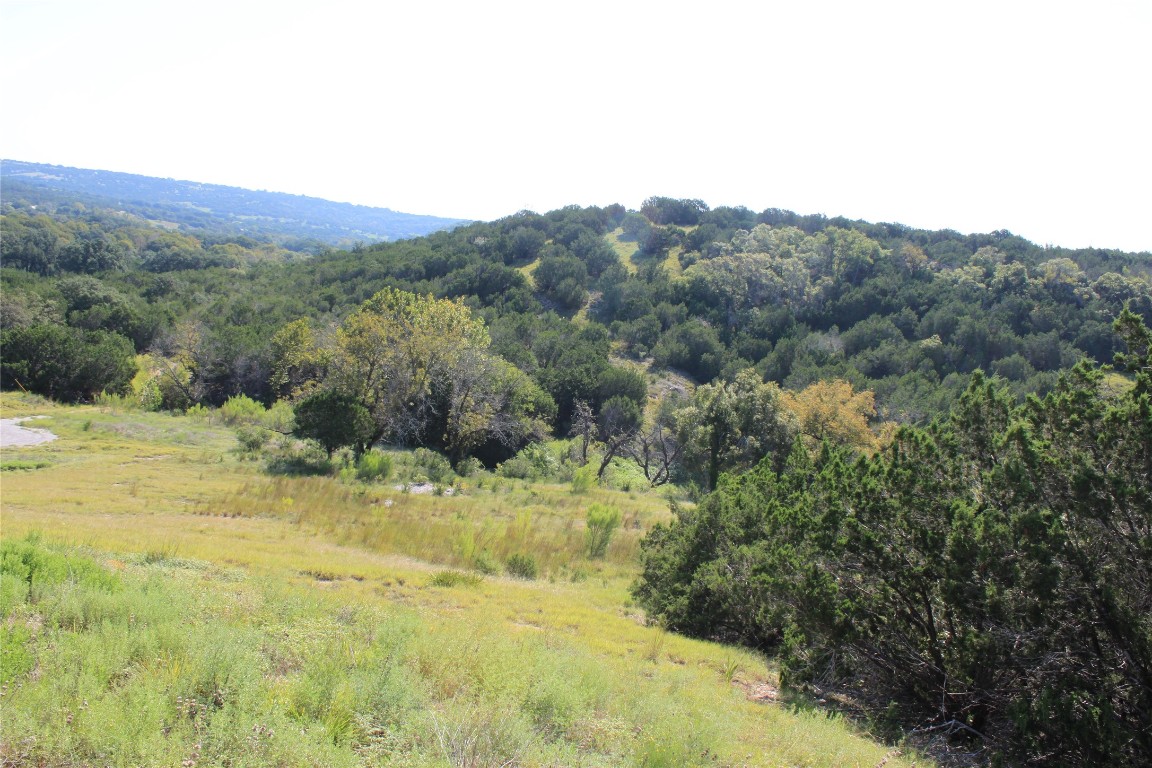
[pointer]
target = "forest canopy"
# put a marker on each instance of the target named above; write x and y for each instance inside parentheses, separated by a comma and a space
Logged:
(573, 302)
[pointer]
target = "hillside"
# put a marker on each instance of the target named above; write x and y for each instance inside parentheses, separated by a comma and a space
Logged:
(188, 607)
(894, 460)
(212, 207)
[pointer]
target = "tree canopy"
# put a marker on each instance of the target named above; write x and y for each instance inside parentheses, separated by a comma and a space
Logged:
(989, 573)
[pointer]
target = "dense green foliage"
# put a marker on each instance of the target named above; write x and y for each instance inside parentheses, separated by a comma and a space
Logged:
(65, 363)
(716, 294)
(334, 420)
(990, 572)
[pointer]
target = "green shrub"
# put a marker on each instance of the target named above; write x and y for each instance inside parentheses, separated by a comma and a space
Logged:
(28, 561)
(199, 412)
(252, 438)
(534, 462)
(148, 396)
(436, 467)
(485, 563)
(241, 409)
(521, 566)
(6, 466)
(584, 478)
(469, 467)
(373, 466)
(16, 654)
(280, 417)
(602, 523)
(304, 460)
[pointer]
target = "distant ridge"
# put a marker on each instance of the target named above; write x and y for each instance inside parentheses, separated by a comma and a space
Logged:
(197, 205)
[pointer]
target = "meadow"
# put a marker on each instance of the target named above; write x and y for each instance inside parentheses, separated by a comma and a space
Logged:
(166, 600)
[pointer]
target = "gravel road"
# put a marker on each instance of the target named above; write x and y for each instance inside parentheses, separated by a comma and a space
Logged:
(12, 434)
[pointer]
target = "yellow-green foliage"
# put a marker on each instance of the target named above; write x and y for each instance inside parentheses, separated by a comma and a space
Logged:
(215, 615)
(625, 248)
(601, 525)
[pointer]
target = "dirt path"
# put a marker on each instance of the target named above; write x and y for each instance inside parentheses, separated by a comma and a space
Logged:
(12, 434)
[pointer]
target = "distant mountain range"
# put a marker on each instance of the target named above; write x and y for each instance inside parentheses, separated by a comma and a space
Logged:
(197, 206)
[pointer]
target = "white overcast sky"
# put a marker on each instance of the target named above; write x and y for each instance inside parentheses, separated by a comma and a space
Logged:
(974, 116)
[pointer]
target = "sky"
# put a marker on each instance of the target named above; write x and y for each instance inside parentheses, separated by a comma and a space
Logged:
(975, 116)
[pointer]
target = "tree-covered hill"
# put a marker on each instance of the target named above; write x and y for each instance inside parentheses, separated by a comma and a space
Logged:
(198, 208)
(735, 299)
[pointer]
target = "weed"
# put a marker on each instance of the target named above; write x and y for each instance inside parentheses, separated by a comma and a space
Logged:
(655, 645)
(478, 737)
(161, 555)
(730, 669)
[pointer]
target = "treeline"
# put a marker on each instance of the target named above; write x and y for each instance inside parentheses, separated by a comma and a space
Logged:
(988, 576)
(575, 296)
(52, 233)
(293, 221)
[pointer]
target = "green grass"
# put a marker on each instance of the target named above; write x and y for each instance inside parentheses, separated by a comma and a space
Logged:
(192, 610)
(625, 249)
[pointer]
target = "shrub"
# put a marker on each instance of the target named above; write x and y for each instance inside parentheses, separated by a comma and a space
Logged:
(584, 478)
(280, 417)
(602, 523)
(307, 459)
(241, 409)
(436, 467)
(252, 438)
(534, 462)
(521, 566)
(199, 412)
(469, 466)
(484, 563)
(373, 465)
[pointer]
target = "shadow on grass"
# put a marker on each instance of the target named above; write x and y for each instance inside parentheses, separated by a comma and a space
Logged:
(296, 465)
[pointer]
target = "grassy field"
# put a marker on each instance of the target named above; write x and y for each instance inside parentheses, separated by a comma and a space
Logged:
(166, 601)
